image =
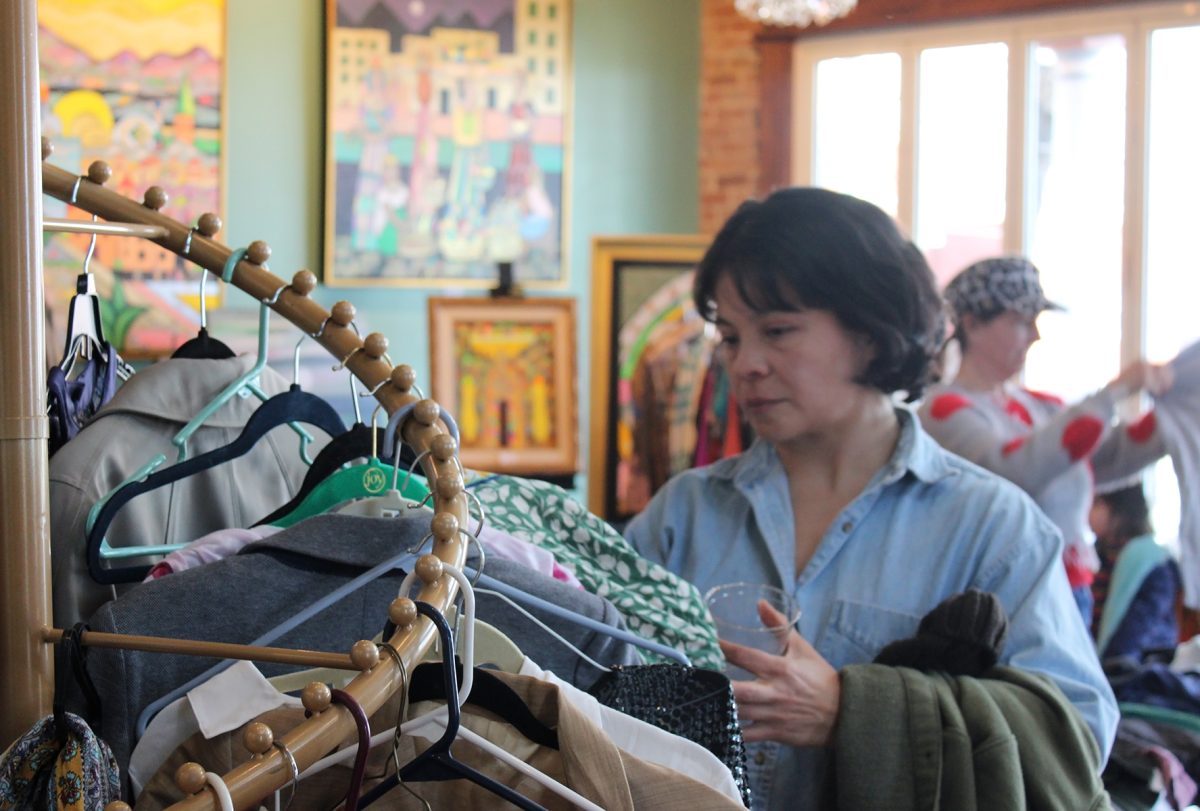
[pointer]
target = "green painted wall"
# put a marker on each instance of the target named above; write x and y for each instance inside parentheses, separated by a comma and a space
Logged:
(634, 139)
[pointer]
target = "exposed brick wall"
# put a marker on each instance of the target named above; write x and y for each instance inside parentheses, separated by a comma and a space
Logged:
(729, 114)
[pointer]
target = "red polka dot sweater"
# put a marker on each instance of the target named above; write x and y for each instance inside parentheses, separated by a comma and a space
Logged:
(1054, 453)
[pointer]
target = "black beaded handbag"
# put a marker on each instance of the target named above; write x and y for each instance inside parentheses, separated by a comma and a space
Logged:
(690, 702)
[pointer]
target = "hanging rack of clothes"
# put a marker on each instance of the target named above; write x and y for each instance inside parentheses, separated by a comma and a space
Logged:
(366, 359)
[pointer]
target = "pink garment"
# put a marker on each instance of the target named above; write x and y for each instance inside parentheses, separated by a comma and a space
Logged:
(505, 546)
(209, 548)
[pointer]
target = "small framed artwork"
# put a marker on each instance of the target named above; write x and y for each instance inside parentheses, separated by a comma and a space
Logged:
(447, 149)
(641, 290)
(505, 370)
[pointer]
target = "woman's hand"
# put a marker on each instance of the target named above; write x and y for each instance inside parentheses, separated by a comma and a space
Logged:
(796, 696)
(1154, 379)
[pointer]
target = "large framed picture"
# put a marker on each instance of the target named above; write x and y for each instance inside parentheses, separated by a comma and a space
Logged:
(641, 286)
(138, 84)
(505, 370)
(446, 141)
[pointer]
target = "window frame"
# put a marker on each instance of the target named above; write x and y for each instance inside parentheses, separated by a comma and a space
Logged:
(1020, 33)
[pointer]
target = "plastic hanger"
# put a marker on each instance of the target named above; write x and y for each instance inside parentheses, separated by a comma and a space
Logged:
(293, 405)
(363, 488)
(397, 561)
(85, 334)
(438, 762)
(203, 346)
(394, 501)
(362, 728)
(493, 647)
(245, 381)
(489, 693)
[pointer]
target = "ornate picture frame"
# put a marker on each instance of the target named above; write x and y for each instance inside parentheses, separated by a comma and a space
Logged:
(504, 368)
(628, 273)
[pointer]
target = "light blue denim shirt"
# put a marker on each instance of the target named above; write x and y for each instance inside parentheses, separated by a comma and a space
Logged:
(927, 526)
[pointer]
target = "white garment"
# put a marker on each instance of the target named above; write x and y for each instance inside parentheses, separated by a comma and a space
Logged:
(645, 741)
(224, 702)
(1178, 414)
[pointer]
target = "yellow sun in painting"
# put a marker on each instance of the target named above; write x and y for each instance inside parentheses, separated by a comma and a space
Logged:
(85, 115)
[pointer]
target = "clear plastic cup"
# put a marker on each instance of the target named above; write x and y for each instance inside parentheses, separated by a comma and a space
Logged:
(734, 609)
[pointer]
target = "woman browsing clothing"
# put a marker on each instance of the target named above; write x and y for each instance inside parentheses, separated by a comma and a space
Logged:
(1053, 452)
(826, 313)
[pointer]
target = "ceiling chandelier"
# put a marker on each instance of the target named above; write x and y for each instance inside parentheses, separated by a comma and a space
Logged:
(794, 12)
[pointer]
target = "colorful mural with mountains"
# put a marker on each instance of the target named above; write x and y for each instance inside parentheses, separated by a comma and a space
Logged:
(139, 85)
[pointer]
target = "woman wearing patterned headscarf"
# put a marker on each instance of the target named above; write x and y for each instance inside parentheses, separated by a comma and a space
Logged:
(1054, 452)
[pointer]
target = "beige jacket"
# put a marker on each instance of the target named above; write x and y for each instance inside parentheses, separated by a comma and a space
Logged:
(138, 423)
(586, 761)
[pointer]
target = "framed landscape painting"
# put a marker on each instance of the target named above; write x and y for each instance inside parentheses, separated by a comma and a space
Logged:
(138, 84)
(505, 370)
(446, 149)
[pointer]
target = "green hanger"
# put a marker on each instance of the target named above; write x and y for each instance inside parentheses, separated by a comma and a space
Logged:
(362, 490)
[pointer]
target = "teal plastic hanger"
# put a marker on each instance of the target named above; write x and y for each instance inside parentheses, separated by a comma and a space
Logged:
(244, 382)
(367, 482)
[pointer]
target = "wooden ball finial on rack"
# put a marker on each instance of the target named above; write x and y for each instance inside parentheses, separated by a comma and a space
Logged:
(258, 252)
(155, 198)
(443, 447)
(403, 612)
(316, 697)
(47, 148)
(190, 777)
(364, 654)
(99, 173)
(426, 412)
(429, 568)
(449, 486)
(342, 313)
(375, 345)
(304, 282)
(403, 377)
(208, 225)
(444, 526)
(258, 738)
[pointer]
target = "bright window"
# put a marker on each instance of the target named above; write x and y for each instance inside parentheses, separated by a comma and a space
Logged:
(1070, 138)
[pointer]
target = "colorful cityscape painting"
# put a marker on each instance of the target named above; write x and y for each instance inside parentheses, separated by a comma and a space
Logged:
(446, 151)
(139, 85)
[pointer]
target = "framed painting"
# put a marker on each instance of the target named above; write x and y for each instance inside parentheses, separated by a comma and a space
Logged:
(138, 84)
(641, 285)
(446, 141)
(505, 370)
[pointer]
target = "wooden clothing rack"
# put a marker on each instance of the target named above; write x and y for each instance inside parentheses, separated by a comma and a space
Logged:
(26, 672)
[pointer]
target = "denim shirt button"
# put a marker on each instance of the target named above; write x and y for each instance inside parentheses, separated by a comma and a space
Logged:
(760, 758)
(846, 527)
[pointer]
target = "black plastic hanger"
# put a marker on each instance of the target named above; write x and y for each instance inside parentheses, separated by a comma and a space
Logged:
(293, 405)
(204, 347)
(437, 762)
(487, 692)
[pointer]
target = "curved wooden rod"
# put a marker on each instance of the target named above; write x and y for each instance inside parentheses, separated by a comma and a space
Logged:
(319, 735)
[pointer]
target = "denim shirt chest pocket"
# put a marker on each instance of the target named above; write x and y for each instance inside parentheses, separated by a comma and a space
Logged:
(857, 631)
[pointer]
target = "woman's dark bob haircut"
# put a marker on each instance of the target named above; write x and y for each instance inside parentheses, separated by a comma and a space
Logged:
(816, 249)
